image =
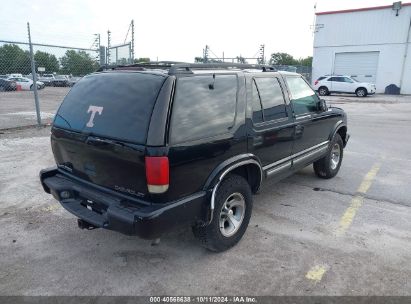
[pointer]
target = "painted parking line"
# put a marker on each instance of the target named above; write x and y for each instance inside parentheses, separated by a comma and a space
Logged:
(51, 208)
(357, 201)
(317, 272)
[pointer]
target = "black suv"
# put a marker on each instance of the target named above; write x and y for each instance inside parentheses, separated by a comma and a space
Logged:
(141, 151)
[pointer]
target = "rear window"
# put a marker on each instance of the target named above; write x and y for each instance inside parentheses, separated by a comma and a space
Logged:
(113, 105)
(203, 107)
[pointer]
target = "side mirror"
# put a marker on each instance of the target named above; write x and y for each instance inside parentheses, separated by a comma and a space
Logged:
(322, 105)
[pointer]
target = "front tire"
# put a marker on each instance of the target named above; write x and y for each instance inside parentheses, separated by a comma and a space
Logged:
(328, 166)
(323, 91)
(361, 92)
(232, 212)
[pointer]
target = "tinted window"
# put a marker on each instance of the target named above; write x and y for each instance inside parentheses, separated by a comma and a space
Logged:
(303, 98)
(257, 109)
(337, 79)
(125, 101)
(321, 78)
(203, 109)
(272, 98)
(346, 79)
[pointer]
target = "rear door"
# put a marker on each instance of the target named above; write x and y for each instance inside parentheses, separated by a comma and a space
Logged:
(99, 132)
(336, 84)
(272, 132)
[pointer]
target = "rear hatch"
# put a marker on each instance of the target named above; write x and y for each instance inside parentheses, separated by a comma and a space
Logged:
(99, 132)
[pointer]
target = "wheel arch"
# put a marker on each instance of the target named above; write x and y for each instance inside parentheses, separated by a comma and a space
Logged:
(361, 87)
(246, 165)
(341, 129)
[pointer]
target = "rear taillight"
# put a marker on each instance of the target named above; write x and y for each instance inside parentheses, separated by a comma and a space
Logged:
(316, 82)
(157, 174)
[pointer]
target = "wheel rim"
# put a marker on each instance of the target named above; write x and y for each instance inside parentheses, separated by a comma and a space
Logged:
(335, 156)
(232, 214)
(323, 92)
(361, 93)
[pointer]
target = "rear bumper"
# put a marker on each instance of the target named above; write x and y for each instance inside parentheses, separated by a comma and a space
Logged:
(106, 209)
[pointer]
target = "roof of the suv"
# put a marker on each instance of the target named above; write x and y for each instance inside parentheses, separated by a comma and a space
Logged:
(172, 68)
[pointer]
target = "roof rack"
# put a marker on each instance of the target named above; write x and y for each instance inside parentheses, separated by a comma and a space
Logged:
(188, 67)
(175, 67)
(163, 65)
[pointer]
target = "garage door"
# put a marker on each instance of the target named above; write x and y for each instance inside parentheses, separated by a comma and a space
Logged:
(360, 65)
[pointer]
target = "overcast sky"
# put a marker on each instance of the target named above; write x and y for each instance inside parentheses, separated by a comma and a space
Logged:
(174, 29)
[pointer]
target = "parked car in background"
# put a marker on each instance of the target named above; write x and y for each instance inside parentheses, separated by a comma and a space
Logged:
(26, 83)
(60, 81)
(15, 75)
(325, 85)
(7, 85)
(47, 79)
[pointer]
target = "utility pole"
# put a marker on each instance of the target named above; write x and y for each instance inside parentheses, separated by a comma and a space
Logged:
(108, 47)
(132, 41)
(33, 72)
(261, 60)
(205, 54)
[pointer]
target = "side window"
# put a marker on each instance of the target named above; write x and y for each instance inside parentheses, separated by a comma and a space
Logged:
(303, 98)
(203, 107)
(257, 109)
(346, 79)
(337, 79)
(272, 98)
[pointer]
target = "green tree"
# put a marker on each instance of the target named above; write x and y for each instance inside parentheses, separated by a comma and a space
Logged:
(78, 63)
(142, 60)
(46, 60)
(198, 59)
(282, 59)
(14, 60)
(307, 61)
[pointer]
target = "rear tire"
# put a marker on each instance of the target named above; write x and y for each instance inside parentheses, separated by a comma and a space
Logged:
(361, 92)
(232, 212)
(328, 166)
(323, 91)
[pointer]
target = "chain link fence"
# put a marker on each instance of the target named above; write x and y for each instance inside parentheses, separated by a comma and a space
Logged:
(119, 54)
(306, 71)
(35, 77)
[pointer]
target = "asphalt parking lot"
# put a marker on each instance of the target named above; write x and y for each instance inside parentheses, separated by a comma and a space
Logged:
(346, 236)
(17, 109)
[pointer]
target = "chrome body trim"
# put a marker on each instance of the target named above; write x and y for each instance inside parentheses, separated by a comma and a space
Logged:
(279, 168)
(303, 116)
(310, 154)
(267, 167)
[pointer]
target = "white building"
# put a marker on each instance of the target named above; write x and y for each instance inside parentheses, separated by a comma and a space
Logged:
(370, 44)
